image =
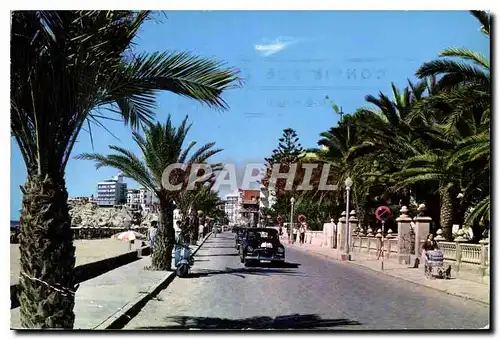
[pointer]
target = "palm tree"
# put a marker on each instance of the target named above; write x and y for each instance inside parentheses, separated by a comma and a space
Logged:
(161, 147)
(465, 95)
(190, 202)
(64, 66)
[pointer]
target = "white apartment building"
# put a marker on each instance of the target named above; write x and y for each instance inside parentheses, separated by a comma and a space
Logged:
(133, 200)
(112, 191)
(147, 199)
(231, 206)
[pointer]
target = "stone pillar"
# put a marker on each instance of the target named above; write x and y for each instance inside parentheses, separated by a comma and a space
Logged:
(404, 237)
(388, 237)
(326, 235)
(341, 232)
(379, 243)
(485, 263)
(353, 228)
(422, 229)
(332, 234)
(361, 231)
(458, 252)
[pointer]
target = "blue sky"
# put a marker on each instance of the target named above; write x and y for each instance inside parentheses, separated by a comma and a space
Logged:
(290, 61)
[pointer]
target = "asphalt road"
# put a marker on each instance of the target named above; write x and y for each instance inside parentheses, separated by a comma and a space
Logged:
(309, 292)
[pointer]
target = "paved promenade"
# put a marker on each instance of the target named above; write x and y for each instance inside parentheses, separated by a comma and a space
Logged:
(99, 299)
(455, 286)
(308, 292)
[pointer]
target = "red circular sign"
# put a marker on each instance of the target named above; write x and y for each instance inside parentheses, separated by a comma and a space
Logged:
(383, 213)
(301, 218)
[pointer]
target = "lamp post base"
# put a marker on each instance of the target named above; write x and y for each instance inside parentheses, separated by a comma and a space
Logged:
(345, 257)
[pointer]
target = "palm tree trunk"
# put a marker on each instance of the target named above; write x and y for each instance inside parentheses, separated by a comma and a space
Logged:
(193, 227)
(165, 238)
(446, 215)
(47, 289)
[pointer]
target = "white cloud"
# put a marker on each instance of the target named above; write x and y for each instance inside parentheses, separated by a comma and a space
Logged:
(279, 44)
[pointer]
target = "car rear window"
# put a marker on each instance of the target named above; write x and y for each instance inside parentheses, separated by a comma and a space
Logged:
(262, 235)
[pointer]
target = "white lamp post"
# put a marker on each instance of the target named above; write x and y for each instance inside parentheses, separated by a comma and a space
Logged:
(292, 201)
(348, 184)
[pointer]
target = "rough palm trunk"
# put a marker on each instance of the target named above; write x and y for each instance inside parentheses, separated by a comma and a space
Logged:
(194, 226)
(47, 288)
(446, 212)
(165, 237)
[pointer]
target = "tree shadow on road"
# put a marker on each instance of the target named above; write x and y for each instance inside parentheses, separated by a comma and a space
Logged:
(241, 272)
(207, 255)
(294, 321)
(219, 247)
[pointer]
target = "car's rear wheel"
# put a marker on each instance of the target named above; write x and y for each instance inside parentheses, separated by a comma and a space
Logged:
(247, 263)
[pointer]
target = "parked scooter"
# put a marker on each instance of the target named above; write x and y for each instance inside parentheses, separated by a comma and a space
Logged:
(182, 260)
(182, 257)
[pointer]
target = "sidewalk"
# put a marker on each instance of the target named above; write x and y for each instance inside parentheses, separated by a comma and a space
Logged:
(455, 286)
(101, 299)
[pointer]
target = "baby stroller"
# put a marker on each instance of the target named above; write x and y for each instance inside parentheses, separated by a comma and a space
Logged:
(434, 263)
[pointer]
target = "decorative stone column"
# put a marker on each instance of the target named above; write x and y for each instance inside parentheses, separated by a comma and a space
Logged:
(333, 234)
(341, 232)
(353, 226)
(379, 242)
(389, 237)
(439, 237)
(485, 256)
(361, 231)
(369, 235)
(422, 228)
(458, 247)
(404, 237)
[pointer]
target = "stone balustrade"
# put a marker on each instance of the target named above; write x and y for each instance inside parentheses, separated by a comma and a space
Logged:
(314, 238)
(405, 246)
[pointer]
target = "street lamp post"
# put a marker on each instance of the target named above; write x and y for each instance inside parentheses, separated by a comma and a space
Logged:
(292, 201)
(348, 184)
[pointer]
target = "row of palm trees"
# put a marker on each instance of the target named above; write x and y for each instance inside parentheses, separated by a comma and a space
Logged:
(72, 70)
(161, 147)
(429, 143)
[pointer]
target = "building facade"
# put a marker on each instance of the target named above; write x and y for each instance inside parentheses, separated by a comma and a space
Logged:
(133, 200)
(249, 207)
(112, 192)
(231, 207)
(147, 199)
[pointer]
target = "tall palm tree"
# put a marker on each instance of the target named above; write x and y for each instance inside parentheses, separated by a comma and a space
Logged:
(465, 95)
(161, 147)
(64, 66)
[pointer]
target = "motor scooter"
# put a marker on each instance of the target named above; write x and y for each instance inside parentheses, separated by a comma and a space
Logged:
(182, 260)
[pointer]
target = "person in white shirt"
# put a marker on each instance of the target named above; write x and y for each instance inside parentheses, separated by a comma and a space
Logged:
(294, 239)
(201, 228)
(152, 235)
(302, 233)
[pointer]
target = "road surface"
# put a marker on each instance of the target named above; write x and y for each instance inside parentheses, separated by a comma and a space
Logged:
(310, 292)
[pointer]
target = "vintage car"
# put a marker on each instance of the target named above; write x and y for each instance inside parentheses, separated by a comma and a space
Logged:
(261, 245)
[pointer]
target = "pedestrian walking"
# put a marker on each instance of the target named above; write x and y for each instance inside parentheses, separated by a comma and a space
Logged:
(152, 235)
(201, 229)
(294, 232)
(302, 233)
